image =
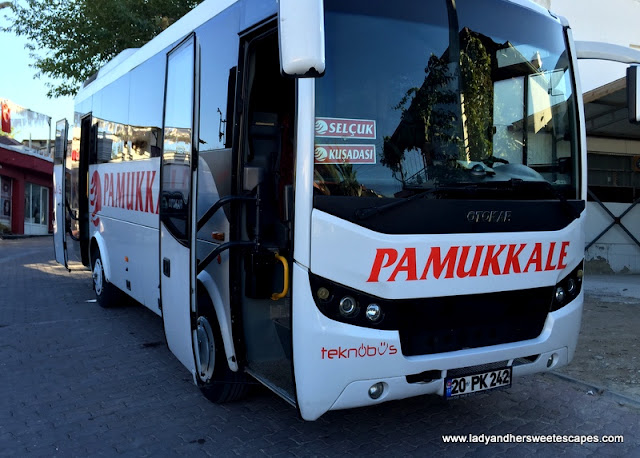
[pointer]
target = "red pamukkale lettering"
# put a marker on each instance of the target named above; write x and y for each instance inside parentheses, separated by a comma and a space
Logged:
(549, 265)
(491, 261)
(109, 179)
(105, 180)
(563, 255)
(512, 259)
(120, 188)
(381, 253)
(497, 260)
(535, 259)
(407, 264)
(111, 190)
(439, 264)
(148, 203)
(473, 271)
(139, 201)
(130, 190)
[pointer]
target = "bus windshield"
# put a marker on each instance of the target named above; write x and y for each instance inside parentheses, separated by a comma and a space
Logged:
(441, 94)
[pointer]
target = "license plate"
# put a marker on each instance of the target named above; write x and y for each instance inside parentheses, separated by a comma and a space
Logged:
(484, 381)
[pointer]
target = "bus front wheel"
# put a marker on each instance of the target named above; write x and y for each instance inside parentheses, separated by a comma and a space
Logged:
(219, 383)
(106, 293)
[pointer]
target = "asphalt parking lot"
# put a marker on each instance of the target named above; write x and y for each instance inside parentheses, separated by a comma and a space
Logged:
(78, 380)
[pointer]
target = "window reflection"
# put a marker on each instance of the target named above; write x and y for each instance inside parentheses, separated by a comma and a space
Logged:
(119, 142)
(177, 142)
(145, 142)
(450, 86)
(36, 204)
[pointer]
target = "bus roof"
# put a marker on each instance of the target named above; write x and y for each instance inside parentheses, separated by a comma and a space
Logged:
(129, 59)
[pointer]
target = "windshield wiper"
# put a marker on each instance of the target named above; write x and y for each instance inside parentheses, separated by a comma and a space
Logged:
(368, 212)
(558, 195)
(515, 183)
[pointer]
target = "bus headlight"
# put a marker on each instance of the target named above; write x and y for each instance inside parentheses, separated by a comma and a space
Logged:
(374, 312)
(348, 307)
(567, 289)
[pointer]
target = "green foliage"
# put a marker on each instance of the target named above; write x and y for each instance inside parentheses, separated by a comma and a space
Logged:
(430, 117)
(70, 39)
(450, 116)
(12, 134)
(475, 66)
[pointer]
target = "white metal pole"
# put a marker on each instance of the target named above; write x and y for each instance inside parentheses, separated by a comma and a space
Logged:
(49, 154)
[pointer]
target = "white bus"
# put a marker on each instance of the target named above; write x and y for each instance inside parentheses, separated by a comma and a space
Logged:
(350, 202)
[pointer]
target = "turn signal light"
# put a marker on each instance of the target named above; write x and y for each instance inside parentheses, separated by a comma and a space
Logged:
(323, 293)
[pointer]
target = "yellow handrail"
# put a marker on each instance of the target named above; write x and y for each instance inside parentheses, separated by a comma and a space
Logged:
(285, 289)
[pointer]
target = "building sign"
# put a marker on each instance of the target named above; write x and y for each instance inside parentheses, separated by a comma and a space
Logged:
(6, 118)
(345, 128)
(345, 154)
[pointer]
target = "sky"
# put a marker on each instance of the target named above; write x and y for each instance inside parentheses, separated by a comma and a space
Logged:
(17, 83)
(612, 21)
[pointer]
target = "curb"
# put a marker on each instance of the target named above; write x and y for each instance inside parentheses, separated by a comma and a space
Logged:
(21, 236)
(620, 398)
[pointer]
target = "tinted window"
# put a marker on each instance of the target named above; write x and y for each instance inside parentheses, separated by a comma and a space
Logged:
(145, 108)
(177, 150)
(219, 43)
(418, 95)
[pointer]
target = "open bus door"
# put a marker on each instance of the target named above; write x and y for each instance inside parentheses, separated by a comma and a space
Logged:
(178, 202)
(60, 153)
(265, 154)
(71, 207)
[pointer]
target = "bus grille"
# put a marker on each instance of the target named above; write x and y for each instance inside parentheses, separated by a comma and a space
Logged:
(439, 325)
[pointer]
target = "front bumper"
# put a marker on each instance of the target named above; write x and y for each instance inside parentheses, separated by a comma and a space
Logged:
(335, 363)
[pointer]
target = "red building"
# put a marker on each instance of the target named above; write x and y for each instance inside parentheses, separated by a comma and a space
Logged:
(26, 189)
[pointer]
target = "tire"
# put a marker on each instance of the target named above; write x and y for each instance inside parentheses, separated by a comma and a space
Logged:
(219, 384)
(106, 294)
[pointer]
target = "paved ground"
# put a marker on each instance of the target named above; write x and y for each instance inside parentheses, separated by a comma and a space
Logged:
(77, 380)
(608, 354)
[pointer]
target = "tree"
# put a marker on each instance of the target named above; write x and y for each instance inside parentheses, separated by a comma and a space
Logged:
(449, 117)
(69, 40)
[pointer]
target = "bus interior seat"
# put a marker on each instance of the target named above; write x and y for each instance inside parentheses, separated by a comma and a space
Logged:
(265, 145)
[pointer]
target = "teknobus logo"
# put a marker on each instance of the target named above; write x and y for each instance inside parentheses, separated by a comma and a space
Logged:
(363, 351)
(95, 197)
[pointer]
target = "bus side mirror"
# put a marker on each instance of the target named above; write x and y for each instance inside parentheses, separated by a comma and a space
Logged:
(301, 35)
(633, 92)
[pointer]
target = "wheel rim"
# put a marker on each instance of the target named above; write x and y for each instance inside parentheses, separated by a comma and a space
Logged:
(206, 350)
(97, 277)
